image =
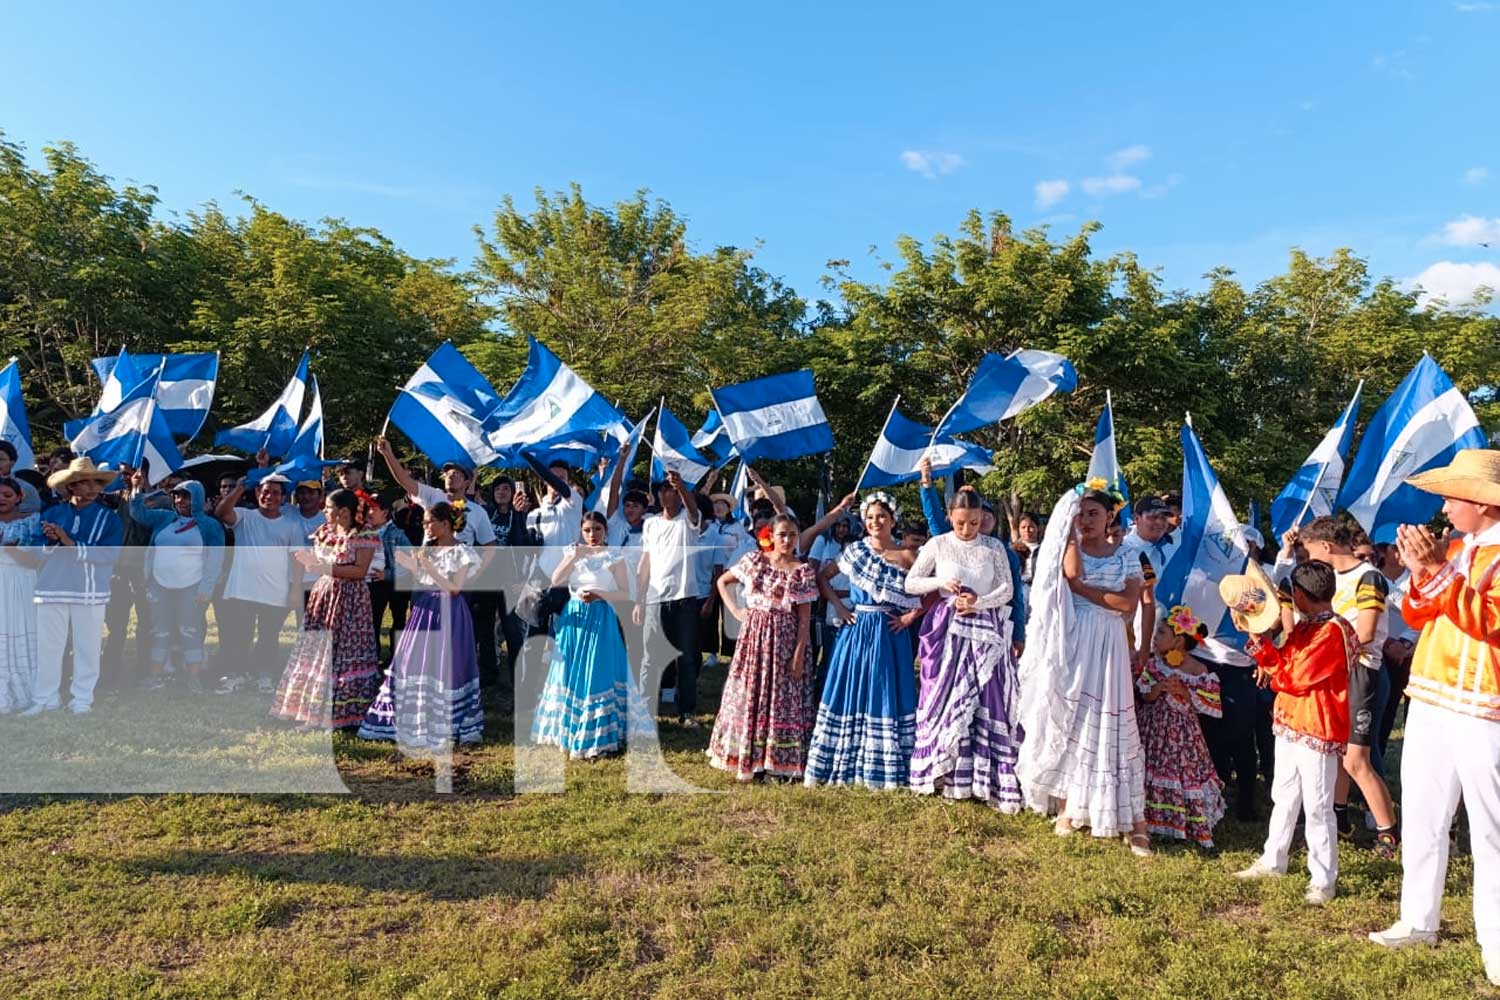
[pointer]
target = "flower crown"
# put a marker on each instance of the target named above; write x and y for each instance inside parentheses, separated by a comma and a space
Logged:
(1184, 622)
(1099, 485)
(882, 498)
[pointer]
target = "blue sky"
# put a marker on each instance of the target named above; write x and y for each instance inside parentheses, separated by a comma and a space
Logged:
(1198, 137)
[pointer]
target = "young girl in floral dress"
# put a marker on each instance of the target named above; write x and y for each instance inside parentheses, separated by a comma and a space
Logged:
(765, 717)
(334, 670)
(1184, 796)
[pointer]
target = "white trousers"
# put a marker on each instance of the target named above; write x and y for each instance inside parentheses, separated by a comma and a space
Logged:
(52, 624)
(1304, 783)
(1447, 754)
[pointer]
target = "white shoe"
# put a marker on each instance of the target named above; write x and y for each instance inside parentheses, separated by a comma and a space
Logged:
(78, 709)
(1258, 869)
(1402, 935)
(1319, 895)
(38, 709)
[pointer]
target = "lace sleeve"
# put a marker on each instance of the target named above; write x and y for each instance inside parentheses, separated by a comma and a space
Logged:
(1004, 587)
(922, 577)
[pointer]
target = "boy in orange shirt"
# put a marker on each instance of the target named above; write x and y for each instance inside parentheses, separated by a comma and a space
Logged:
(1310, 674)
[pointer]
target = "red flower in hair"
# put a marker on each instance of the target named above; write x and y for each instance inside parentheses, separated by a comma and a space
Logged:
(763, 536)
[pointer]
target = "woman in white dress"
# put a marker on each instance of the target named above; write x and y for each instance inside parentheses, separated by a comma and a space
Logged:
(17, 611)
(1082, 755)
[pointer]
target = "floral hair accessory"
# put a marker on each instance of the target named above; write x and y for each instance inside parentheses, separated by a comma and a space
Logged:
(1099, 485)
(1183, 621)
(882, 498)
(460, 514)
(763, 537)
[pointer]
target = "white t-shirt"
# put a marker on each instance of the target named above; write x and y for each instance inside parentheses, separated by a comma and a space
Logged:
(669, 543)
(260, 568)
(560, 524)
(177, 555)
(477, 528)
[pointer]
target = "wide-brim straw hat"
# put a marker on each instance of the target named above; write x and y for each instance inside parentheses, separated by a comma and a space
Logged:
(1474, 475)
(1251, 599)
(779, 492)
(724, 498)
(80, 469)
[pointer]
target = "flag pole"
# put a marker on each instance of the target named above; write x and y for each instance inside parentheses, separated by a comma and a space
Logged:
(937, 426)
(861, 479)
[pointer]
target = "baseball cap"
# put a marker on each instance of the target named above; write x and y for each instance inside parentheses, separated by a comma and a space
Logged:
(1151, 505)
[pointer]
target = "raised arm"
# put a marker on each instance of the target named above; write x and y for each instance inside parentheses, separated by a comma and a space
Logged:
(932, 504)
(616, 481)
(808, 536)
(561, 486)
(404, 479)
(776, 501)
(224, 509)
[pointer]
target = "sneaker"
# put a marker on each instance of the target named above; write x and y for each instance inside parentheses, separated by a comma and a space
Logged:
(38, 709)
(80, 709)
(265, 686)
(1258, 869)
(1139, 844)
(688, 722)
(1402, 935)
(230, 684)
(1319, 895)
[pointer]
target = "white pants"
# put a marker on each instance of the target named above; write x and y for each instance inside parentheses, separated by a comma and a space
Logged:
(1445, 755)
(1304, 782)
(52, 624)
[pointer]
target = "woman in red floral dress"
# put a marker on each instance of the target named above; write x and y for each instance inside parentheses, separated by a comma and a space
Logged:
(766, 714)
(334, 670)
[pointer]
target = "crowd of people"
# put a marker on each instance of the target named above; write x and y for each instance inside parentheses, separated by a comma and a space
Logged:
(1023, 663)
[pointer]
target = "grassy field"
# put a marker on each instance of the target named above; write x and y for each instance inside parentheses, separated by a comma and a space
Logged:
(763, 890)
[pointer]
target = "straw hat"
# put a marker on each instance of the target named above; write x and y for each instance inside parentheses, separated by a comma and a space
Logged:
(79, 469)
(1251, 599)
(1474, 475)
(722, 498)
(779, 492)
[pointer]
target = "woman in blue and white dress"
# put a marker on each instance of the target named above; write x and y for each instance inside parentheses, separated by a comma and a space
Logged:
(866, 721)
(1082, 756)
(17, 610)
(586, 704)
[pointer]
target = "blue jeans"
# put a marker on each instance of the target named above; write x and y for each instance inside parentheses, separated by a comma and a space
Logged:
(176, 626)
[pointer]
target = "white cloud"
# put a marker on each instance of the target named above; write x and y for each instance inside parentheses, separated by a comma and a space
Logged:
(1160, 190)
(1453, 283)
(1049, 193)
(1475, 7)
(931, 163)
(1471, 229)
(1476, 175)
(1123, 159)
(1113, 184)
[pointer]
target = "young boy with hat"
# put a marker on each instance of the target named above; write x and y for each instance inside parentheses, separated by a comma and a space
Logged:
(1310, 674)
(1452, 744)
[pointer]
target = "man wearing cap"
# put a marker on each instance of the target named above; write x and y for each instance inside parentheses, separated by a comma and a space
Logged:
(259, 585)
(80, 541)
(1452, 744)
(1150, 544)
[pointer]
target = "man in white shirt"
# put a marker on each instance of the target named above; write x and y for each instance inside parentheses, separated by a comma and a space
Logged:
(260, 584)
(1148, 543)
(666, 585)
(557, 521)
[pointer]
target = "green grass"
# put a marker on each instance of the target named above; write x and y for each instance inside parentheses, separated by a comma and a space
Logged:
(764, 890)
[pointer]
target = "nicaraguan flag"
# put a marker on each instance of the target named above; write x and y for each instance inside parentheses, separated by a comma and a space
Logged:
(901, 445)
(443, 410)
(712, 439)
(737, 489)
(1422, 426)
(1212, 546)
(304, 459)
(672, 451)
(186, 391)
(599, 498)
(14, 427)
(776, 417)
(1314, 489)
(124, 375)
(133, 431)
(1105, 462)
(579, 449)
(1003, 387)
(275, 429)
(548, 400)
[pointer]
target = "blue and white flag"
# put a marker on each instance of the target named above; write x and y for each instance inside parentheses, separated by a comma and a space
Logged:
(549, 400)
(123, 376)
(672, 451)
(776, 417)
(275, 429)
(304, 459)
(1105, 462)
(185, 393)
(1314, 489)
(1003, 387)
(1212, 546)
(737, 489)
(132, 432)
(899, 450)
(712, 439)
(599, 498)
(14, 427)
(579, 449)
(443, 410)
(1422, 426)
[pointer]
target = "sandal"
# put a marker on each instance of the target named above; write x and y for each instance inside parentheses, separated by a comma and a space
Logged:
(1140, 844)
(1063, 827)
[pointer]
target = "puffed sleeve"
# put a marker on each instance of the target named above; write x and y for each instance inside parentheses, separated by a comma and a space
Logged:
(803, 586)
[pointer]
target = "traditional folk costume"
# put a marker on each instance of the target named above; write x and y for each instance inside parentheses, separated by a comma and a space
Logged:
(967, 729)
(1184, 796)
(765, 716)
(334, 671)
(867, 714)
(1452, 743)
(1078, 692)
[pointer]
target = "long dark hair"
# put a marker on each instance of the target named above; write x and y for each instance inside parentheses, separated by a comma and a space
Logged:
(348, 500)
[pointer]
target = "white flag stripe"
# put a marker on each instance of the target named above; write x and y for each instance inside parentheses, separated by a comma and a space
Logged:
(1431, 429)
(457, 421)
(779, 418)
(547, 414)
(899, 461)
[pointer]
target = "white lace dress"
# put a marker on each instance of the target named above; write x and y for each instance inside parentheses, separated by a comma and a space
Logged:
(1078, 694)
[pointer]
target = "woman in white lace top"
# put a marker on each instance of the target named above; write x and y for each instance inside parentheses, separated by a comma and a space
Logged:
(966, 737)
